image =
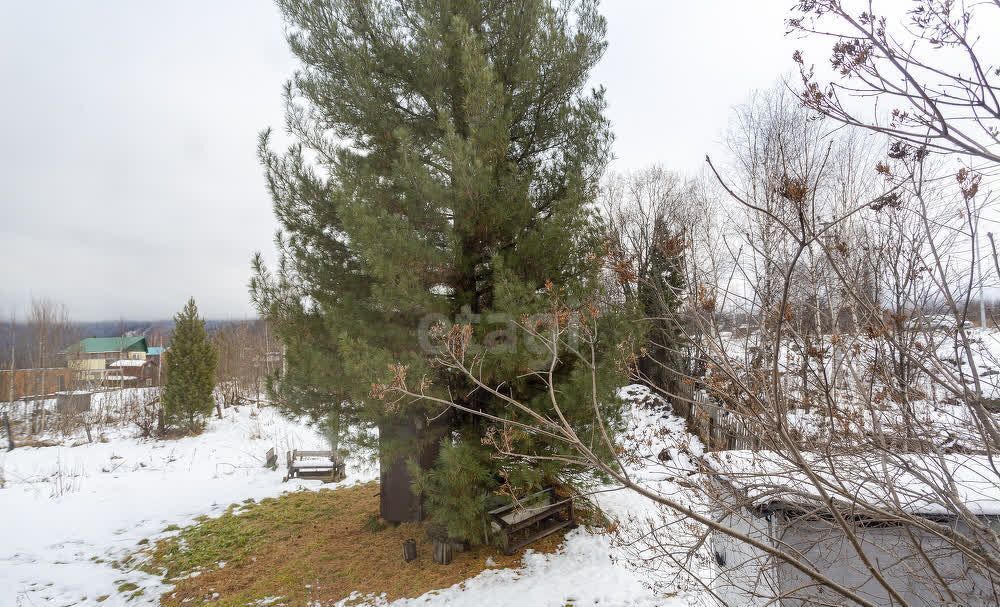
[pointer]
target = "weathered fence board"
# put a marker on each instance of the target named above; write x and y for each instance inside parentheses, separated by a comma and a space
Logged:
(443, 552)
(719, 428)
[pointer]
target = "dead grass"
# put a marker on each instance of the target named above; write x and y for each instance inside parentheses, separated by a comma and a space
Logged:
(309, 547)
(30, 441)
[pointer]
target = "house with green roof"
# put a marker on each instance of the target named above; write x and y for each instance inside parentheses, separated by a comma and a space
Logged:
(91, 358)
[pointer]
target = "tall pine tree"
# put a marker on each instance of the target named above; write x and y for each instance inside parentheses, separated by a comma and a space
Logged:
(187, 394)
(446, 160)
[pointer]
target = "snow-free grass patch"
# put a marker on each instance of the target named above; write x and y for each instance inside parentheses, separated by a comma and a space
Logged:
(308, 547)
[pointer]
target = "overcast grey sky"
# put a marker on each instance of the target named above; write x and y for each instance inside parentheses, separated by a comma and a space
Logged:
(128, 176)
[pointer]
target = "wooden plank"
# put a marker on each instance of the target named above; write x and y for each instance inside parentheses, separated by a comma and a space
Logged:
(536, 518)
(443, 552)
(289, 455)
(511, 549)
(303, 465)
(301, 454)
(526, 499)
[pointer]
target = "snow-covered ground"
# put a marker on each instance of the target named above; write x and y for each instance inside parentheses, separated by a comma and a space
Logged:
(70, 512)
(853, 376)
(581, 573)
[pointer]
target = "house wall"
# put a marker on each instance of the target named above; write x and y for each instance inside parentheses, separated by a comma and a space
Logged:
(142, 376)
(749, 578)
(897, 559)
(743, 576)
(85, 364)
(87, 367)
(92, 366)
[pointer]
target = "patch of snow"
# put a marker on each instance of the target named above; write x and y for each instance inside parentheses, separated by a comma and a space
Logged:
(582, 573)
(769, 477)
(78, 509)
(72, 511)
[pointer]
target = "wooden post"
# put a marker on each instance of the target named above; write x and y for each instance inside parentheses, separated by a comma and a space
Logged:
(42, 430)
(6, 426)
(442, 552)
(410, 550)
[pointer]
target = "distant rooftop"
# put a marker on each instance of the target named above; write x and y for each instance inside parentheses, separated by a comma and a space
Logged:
(128, 363)
(155, 350)
(100, 345)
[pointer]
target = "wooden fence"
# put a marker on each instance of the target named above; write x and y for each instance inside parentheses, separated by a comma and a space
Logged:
(33, 384)
(718, 428)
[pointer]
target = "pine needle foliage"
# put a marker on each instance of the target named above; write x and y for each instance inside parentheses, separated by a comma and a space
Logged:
(445, 162)
(456, 489)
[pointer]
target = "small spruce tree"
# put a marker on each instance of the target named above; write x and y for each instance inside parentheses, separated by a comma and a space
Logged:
(187, 395)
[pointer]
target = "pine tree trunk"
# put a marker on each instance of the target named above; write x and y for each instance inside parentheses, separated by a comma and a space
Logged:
(397, 503)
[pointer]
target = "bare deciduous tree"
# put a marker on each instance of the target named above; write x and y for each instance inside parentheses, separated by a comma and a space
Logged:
(872, 481)
(919, 77)
(244, 361)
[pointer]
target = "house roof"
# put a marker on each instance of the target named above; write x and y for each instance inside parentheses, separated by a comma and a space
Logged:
(155, 350)
(98, 345)
(117, 375)
(913, 483)
(129, 362)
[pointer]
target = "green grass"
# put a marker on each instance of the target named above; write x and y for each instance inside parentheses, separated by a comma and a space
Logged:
(308, 547)
(374, 524)
(229, 538)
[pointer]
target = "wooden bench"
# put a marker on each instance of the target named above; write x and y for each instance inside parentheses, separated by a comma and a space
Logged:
(323, 465)
(532, 518)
